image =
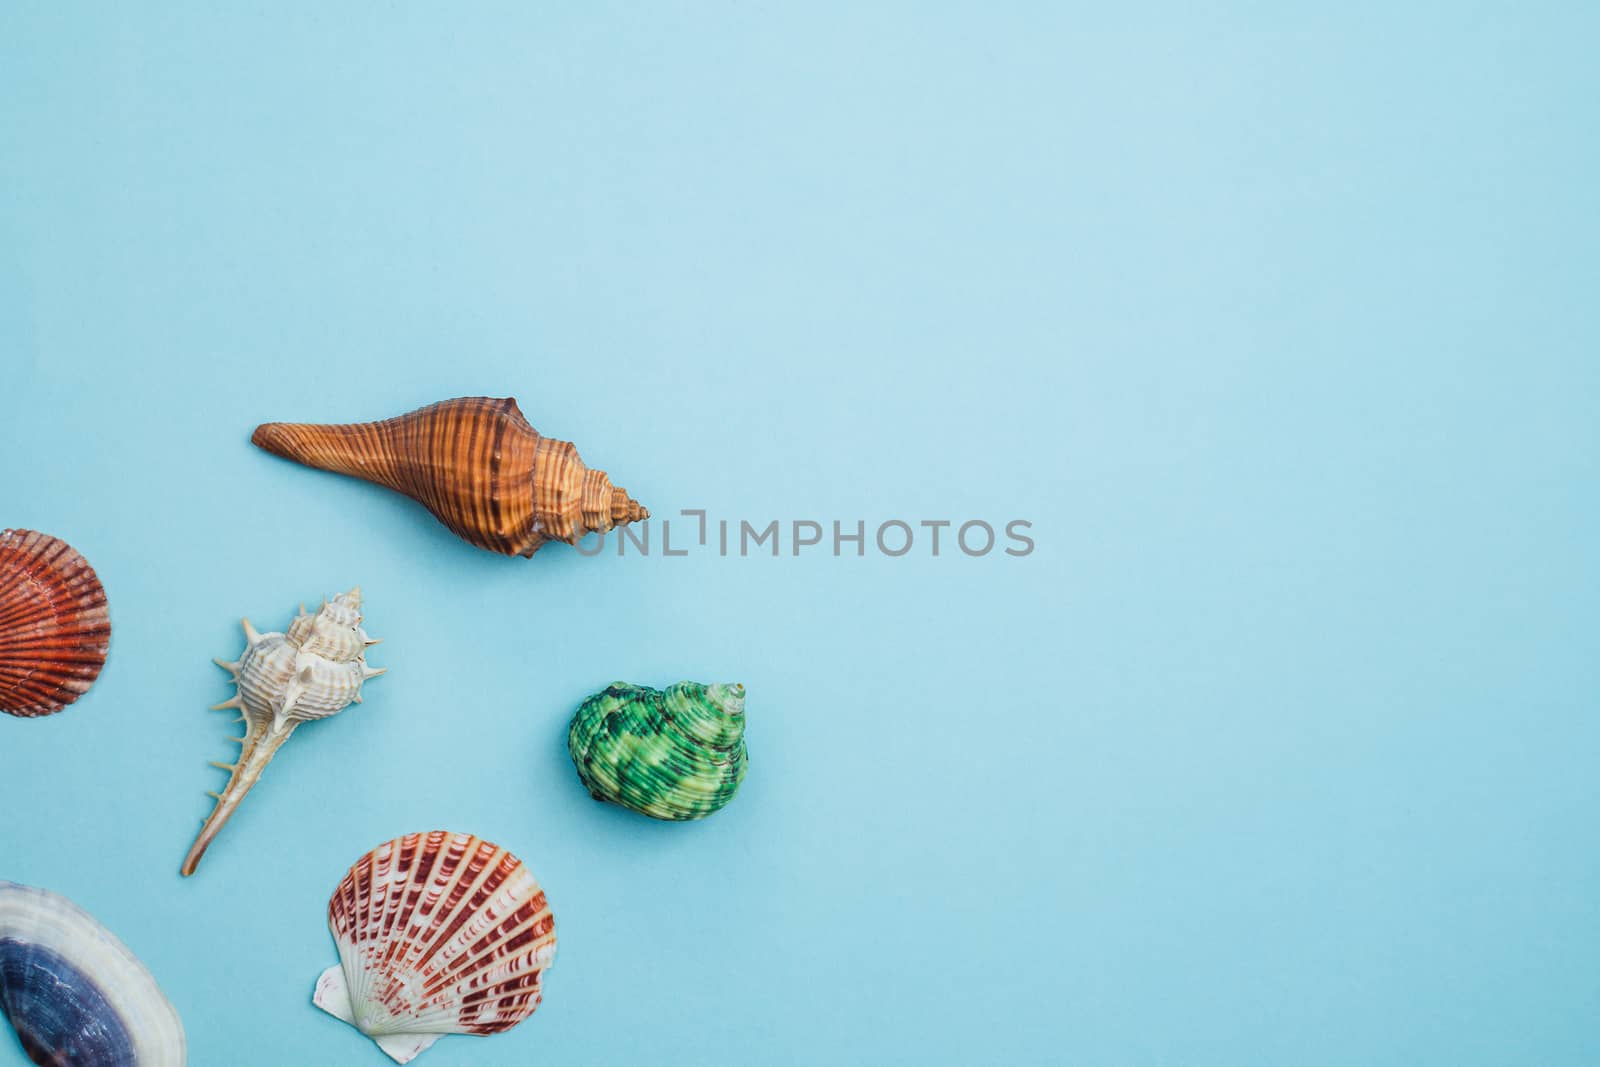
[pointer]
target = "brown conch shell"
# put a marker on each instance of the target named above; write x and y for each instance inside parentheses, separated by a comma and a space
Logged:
(54, 627)
(476, 464)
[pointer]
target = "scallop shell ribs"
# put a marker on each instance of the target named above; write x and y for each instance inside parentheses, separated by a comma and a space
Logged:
(54, 627)
(675, 753)
(438, 933)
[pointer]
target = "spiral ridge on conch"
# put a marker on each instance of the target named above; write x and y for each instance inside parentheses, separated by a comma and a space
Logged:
(55, 628)
(674, 754)
(476, 463)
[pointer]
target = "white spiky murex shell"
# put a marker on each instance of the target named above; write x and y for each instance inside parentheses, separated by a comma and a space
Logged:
(438, 933)
(313, 671)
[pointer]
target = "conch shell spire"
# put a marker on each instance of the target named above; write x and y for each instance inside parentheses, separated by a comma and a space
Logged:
(477, 464)
(259, 745)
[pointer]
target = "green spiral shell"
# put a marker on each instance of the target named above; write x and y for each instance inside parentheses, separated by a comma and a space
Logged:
(674, 753)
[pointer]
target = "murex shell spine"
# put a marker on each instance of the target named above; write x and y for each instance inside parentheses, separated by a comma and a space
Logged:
(312, 671)
(437, 933)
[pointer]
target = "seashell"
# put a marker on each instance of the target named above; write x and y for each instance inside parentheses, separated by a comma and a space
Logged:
(676, 753)
(54, 627)
(476, 464)
(438, 933)
(313, 671)
(74, 993)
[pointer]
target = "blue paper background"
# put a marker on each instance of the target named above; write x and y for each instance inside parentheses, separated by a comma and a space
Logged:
(1281, 329)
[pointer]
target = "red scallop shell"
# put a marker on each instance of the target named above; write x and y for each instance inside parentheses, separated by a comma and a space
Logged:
(438, 933)
(54, 626)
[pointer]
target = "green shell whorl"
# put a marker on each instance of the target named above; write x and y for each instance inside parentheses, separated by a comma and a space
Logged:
(674, 753)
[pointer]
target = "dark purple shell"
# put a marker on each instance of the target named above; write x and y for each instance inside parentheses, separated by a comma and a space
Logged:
(74, 994)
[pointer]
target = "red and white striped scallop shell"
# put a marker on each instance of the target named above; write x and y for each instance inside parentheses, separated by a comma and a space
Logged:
(438, 933)
(54, 625)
